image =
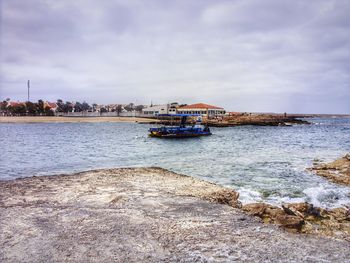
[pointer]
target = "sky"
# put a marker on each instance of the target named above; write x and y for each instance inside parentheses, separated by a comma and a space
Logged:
(251, 55)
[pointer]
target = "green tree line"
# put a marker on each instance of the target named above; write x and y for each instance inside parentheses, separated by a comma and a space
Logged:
(27, 108)
(40, 109)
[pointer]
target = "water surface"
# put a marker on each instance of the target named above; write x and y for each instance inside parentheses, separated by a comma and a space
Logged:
(262, 163)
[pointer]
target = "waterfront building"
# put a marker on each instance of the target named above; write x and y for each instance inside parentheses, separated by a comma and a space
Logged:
(15, 104)
(153, 110)
(52, 105)
(201, 108)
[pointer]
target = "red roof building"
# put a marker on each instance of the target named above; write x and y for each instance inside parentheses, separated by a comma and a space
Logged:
(201, 108)
(15, 104)
(52, 105)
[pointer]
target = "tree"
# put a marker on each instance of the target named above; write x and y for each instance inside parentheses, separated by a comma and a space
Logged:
(31, 108)
(48, 111)
(68, 107)
(103, 109)
(119, 109)
(78, 107)
(85, 106)
(3, 106)
(129, 107)
(139, 108)
(19, 109)
(60, 105)
(40, 107)
(94, 107)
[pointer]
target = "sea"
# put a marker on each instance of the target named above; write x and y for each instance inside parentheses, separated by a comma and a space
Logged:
(262, 163)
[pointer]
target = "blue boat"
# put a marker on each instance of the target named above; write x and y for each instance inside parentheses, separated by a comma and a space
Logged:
(181, 131)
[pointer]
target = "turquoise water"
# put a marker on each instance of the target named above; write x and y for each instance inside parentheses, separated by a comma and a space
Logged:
(262, 163)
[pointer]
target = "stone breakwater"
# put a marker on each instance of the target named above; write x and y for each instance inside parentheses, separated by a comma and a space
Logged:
(337, 171)
(143, 215)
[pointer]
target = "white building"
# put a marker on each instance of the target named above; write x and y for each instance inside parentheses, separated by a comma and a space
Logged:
(160, 109)
(201, 108)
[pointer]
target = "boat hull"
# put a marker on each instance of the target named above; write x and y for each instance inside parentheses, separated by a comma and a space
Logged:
(178, 135)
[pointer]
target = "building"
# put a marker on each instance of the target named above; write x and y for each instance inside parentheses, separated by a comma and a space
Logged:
(201, 108)
(173, 108)
(52, 105)
(15, 104)
(153, 110)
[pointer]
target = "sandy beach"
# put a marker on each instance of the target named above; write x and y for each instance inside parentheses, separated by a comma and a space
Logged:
(41, 119)
(142, 215)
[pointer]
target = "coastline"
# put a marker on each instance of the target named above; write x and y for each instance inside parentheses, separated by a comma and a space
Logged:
(142, 214)
(59, 119)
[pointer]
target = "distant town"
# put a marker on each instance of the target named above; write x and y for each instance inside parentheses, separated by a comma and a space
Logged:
(60, 108)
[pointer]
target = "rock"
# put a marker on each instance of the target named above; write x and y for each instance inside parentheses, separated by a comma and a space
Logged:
(256, 209)
(337, 171)
(340, 214)
(304, 218)
(256, 119)
(153, 215)
(302, 209)
(224, 196)
(347, 156)
(290, 222)
(273, 214)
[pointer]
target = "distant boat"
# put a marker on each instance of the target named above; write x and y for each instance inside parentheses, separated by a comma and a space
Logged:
(181, 131)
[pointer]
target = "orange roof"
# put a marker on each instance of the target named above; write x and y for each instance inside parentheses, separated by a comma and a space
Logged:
(52, 104)
(14, 104)
(200, 106)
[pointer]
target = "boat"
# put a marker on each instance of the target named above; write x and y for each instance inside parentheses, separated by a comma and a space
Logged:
(181, 131)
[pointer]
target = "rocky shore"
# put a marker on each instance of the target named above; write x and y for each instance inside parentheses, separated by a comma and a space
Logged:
(337, 171)
(245, 119)
(146, 215)
(305, 218)
(256, 120)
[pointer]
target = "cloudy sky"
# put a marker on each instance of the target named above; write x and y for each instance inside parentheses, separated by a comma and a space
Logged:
(252, 55)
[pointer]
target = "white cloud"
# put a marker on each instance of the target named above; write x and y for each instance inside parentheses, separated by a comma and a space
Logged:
(245, 55)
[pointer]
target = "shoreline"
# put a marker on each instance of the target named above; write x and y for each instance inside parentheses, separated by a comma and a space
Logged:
(229, 121)
(142, 214)
(60, 119)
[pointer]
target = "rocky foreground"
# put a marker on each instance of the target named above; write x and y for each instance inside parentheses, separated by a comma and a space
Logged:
(305, 218)
(143, 215)
(337, 171)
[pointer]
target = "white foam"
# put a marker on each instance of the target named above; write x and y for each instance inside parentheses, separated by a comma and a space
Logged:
(247, 196)
(327, 197)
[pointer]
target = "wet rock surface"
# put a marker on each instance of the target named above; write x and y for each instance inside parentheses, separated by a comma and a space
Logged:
(337, 171)
(145, 215)
(305, 218)
(244, 119)
(256, 120)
